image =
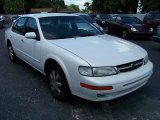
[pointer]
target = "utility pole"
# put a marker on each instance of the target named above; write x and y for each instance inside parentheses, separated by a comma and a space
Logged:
(23, 7)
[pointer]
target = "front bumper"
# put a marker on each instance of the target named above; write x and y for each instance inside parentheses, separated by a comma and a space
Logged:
(122, 84)
(156, 39)
(141, 34)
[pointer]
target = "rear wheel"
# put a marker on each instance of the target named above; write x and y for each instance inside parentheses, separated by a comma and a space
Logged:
(58, 82)
(11, 53)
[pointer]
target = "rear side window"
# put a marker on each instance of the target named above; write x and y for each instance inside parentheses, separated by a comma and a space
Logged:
(18, 27)
(113, 18)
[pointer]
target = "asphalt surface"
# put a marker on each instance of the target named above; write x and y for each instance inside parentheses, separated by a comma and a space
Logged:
(25, 95)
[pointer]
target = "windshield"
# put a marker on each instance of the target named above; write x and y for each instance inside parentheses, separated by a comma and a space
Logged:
(131, 20)
(156, 16)
(61, 27)
(104, 16)
(88, 18)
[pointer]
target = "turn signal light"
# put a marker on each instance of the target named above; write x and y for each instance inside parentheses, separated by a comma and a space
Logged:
(96, 87)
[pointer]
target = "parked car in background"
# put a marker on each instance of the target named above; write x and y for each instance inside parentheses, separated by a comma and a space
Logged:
(77, 58)
(14, 18)
(128, 26)
(152, 19)
(102, 19)
(88, 19)
(156, 37)
(1, 22)
(7, 19)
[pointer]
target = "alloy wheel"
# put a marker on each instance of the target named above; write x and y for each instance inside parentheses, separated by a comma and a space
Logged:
(55, 82)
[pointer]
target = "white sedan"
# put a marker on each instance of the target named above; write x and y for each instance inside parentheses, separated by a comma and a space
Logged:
(77, 57)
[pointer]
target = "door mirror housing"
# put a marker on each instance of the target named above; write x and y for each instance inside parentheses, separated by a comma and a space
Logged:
(31, 35)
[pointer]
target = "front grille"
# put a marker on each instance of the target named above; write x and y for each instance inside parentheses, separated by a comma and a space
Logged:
(130, 66)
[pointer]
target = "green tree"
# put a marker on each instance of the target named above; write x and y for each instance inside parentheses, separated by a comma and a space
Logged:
(58, 5)
(1, 6)
(111, 6)
(74, 7)
(97, 5)
(14, 7)
(86, 4)
(151, 5)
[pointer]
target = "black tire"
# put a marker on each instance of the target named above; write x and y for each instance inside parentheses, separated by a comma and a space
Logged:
(58, 82)
(11, 53)
(125, 34)
(107, 30)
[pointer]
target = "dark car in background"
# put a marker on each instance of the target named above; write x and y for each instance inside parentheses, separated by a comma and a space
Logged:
(128, 26)
(152, 19)
(88, 18)
(102, 19)
(15, 17)
(7, 19)
(1, 21)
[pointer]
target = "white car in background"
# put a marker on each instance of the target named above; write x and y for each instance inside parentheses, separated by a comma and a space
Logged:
(77, 58)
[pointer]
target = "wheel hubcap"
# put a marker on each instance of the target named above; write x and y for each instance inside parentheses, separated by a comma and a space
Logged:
(55, 82)
(124, 34)
(11, 52)
(107, 29)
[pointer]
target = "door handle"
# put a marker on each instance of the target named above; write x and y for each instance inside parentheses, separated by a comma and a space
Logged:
(22, 40)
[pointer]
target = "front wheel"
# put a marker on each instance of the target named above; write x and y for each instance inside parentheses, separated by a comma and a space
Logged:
(11, 54)
(107, 30)
(125, 34)
(58, 82)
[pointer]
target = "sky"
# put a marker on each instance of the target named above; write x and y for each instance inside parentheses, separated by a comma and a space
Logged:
(77, 2)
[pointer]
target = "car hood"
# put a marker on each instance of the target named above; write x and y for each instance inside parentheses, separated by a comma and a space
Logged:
(102, 50)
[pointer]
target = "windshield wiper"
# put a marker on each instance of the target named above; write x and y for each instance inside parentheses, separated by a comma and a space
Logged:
(62, 37)
(84, 35)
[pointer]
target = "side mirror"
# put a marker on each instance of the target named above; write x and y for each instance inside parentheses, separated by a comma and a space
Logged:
(31, 35)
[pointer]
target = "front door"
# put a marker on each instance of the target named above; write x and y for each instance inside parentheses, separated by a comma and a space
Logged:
(32, 47)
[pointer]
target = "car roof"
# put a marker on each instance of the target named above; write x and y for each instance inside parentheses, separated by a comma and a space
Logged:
(124, 15)
(81, 14)
(154, 12)
(39, 15)
(103, 14)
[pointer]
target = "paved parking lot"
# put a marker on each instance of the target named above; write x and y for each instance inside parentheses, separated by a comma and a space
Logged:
(25, 95)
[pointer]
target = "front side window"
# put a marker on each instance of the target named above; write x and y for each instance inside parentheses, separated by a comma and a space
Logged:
(18, 27)
(31, 26)
(61, 27)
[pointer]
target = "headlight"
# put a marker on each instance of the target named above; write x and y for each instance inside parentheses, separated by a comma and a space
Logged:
(145, 60)
(104, 71)
(133, 29)
(85, 71)
(151, 29)
(97, 71)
